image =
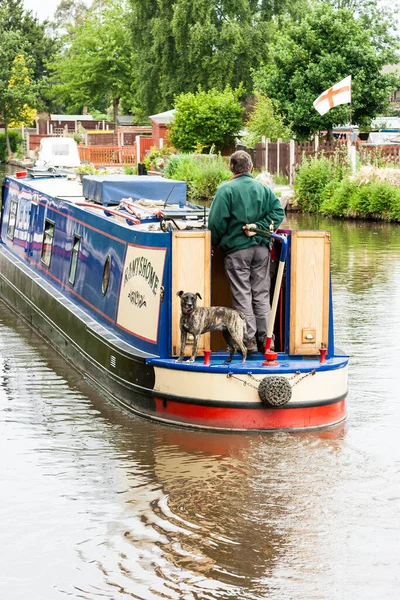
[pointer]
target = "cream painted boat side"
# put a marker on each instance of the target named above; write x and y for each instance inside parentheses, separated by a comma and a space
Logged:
(322, 387)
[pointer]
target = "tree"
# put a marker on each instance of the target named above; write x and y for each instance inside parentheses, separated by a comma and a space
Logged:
(206, 119)
(186, 43)
(326, 46)
(38, 45)
(264, 121)
(17, 92)
(95, 66)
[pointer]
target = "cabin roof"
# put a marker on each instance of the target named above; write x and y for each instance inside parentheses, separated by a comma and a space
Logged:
(110, 189)
(164, 117)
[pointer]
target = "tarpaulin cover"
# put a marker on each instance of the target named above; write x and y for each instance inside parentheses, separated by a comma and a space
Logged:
(110, 189)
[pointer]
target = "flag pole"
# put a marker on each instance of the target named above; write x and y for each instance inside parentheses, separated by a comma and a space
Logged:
(351, 100)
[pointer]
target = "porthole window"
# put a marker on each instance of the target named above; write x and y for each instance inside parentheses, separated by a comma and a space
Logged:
(48, 237)
(74, 259)
(12, 217)
(106, 275)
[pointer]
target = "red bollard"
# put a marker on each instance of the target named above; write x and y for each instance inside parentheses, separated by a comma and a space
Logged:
(207, 355)
(322, 354)
(269, 355)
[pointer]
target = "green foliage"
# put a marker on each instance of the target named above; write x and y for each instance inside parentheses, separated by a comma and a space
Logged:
(155, 158)
(207, 119)
(186, 43)
(374, 198)
(315, 174)
(336, 194)
(280, 179)
(326, 45)
(263, 120)
(15, 143)
(17, 91)
(203, 173)
(336, 197)
(95, 66)
(130, 169)
(29, 38)
(87, 169)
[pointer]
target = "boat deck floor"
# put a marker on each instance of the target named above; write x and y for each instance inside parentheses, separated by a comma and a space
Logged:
(254, 364)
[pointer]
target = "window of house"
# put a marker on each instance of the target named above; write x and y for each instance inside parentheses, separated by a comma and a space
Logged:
(74, 259)
(106, 275)
(12, 218)
(48, 237)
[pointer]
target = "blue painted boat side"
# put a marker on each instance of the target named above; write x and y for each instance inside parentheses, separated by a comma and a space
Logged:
(100, 237)
(253, 364)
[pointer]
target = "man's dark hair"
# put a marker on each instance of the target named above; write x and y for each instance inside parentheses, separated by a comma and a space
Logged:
(240, 162)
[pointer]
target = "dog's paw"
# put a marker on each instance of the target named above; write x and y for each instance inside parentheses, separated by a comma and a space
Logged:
(191, 359)
(180, 359)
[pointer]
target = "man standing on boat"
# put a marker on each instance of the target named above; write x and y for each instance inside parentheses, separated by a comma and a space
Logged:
(239, 206)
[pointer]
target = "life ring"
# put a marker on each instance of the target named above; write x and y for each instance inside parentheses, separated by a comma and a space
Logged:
(274, 391)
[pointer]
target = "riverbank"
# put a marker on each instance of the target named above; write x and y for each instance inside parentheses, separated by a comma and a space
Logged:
(328, 186)
(26, 163)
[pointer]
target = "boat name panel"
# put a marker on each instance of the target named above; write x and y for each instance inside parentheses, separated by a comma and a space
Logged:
(139, 298)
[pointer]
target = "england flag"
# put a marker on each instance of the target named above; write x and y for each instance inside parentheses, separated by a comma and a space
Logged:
(340, 93)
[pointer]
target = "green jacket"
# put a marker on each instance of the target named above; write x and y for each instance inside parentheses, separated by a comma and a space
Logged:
(237, 202)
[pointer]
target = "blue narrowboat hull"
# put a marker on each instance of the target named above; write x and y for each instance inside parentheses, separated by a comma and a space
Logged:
(131, 360)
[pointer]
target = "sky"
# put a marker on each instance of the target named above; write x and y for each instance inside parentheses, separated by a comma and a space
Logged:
(44, 9)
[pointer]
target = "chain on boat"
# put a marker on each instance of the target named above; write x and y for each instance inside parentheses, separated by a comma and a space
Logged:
(273, 390)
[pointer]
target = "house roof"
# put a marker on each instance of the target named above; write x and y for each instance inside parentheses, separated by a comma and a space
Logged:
(71, 118)
(164, 117)
(124, 119)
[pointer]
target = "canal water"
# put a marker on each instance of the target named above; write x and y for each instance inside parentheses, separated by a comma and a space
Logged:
(98, 504)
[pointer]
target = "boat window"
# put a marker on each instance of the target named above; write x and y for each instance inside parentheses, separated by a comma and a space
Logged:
(12, 219)
(48, 237)
(106, 275)
(74, 259)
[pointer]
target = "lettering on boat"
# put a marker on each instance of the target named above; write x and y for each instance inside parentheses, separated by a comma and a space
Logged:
(139, 298)
(143, 267)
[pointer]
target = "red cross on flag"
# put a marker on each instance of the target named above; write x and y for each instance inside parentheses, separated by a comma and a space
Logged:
(340, 93)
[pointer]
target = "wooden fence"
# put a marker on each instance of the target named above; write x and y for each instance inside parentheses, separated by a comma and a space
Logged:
(108, 155)
(283, 157)
(379, 155)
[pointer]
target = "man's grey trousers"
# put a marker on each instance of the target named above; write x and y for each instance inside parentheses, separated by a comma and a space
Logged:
(249, 278)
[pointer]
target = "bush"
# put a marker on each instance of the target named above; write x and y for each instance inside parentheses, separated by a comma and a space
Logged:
(370, 199)
(203, 174)
(264, 120)
(378, 199)
(15, 142)
(206, 119)
(208, 177)
(156, 157)
(315, 174)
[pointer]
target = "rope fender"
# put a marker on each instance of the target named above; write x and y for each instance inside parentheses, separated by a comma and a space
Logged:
(275, 391)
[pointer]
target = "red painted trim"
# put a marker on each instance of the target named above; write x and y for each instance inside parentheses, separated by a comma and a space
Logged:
(139, 336)
(246, 419)
(68, 217)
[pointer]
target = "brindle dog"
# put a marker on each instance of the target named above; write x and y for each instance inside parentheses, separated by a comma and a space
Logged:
(198, 320)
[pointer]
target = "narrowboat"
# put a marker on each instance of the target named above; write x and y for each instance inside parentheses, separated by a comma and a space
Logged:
(95, 267)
